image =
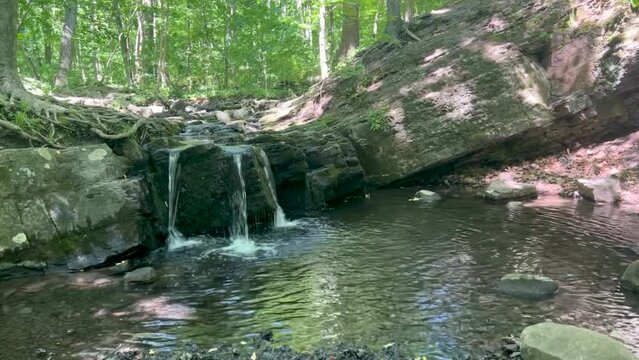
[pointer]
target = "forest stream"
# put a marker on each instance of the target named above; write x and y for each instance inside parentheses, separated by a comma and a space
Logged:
(370, 271)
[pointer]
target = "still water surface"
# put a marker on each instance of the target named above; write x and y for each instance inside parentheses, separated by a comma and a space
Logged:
(368, 272)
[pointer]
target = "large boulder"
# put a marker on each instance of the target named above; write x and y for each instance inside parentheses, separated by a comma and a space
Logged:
(502, 190)
(528, 286)
(630, 278)
(70, 207)
(206, 183)
(549, 341)
(601, 190)
(487, 83)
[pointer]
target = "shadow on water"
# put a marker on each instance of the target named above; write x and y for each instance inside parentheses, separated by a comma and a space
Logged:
(368, 272)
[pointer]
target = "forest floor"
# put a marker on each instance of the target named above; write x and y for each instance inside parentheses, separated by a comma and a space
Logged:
(557, 174)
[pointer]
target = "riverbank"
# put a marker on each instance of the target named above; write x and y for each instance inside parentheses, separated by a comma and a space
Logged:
(265, 350)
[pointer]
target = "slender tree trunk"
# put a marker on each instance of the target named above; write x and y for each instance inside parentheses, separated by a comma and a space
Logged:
(148, 46)
(139, 41)
(227, 44)
(162, 32)
(95, 59)
(124, 44)
(80, 65)
(409, 10)
(323, 58)
(66, 45)
(350, 29)
(395, 22)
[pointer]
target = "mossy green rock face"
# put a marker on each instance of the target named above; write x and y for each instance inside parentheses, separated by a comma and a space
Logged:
(549, 341)
(528, 286)
(630, 278)
(70, 207)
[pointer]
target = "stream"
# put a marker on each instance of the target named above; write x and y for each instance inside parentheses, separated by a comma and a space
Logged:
(370, 271)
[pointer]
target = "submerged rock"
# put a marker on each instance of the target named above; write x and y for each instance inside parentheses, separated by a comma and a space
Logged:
(509, 190)
(549, 341)
(426, 196)
(606, 190)
(143, 275)
(630, 278)
(528, 286)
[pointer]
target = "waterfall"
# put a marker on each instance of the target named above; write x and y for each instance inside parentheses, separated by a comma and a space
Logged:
(279, 220)
(239, 227)
(176, 239)
(241, 243)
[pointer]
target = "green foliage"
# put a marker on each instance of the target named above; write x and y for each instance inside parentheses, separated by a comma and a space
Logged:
(634, 3)
(378, 121)
(208, 47)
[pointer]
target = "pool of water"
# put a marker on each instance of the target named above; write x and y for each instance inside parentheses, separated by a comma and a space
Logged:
(370, 271)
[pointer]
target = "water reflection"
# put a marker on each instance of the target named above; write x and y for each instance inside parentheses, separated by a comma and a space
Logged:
(372, 271)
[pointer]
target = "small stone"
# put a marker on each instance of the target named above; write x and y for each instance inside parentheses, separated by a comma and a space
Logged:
(426, 196)
(515, 205)
(527, 286)
(601, 190)
(178, 105)
(630, 278)
(145, 275)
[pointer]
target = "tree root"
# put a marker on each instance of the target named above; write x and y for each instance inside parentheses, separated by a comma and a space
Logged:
(49, 122)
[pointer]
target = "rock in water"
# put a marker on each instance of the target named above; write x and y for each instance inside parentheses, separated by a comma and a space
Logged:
(178, 105)
(549, 341)
(630, 278)
(528, 286)
(509, 190)
(606, 190)
(145, 275)
(426, 196)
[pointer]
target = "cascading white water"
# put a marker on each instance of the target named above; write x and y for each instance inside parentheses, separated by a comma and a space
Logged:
(241, 242)
(279, 220)
(176, 239)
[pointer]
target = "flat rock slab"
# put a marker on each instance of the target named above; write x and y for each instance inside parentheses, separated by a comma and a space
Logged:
(501, 190)
(145, 275)
(528, 286)
(549, 341)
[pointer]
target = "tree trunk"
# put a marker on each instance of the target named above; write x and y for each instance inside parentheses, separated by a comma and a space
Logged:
(323, 58)
(9, 79)
(350, 29)
(66, 45)
(409, 10)
(124, 44)
(95, 59)
(395, 23)
(162, 32)
(139, 40)
(228, 37)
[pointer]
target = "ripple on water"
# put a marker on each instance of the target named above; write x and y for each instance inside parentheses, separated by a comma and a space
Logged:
(371, 271)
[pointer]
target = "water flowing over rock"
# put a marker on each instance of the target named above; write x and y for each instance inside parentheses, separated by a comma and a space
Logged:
(71, 207)
(606, 190)
(549, 341)
(630, 278)
(528, 286)
(206, 186)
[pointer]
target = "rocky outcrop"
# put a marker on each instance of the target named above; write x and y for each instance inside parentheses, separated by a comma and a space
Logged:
(207, 180)
(630, 278)
(601, 190)
(71, 207)
(500, 190)
(528, 286)
(490, 82)
(548, 341)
